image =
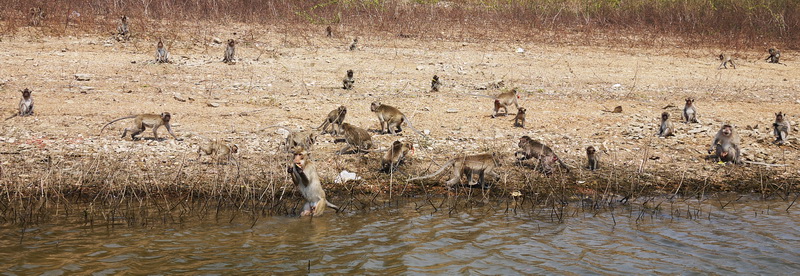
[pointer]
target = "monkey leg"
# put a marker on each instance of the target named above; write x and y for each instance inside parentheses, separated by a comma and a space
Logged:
(345, 149)
(135, 132)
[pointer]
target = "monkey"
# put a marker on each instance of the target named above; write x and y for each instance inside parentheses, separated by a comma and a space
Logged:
(519, 120)
(355, 137)
(354, 45)
(305, 139)
(25, 104)
(503, 101)
(666, 129)
(347, 82)
(774, 55)
(334, 120)
(162, 55)
(468, 165)
(781, 128)
(219, 149)
(532, 149)
(37, 16)
(142, 121)
(304, 175)
(592, 157)
(435, 84)
(230, 50)
(123, 33)
(617, 109)
(391, 118)
(689, 114)
(726, 144)
(396, 155)
(329, 31)
(725, 60)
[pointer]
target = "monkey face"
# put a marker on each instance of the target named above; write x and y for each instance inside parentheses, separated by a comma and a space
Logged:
(374, 106)
(231, 42)
(779, 116)
(166, 116)
(300, 157)
(26, 93)
(590, 150)
(727, 130)
(349, 73)
(521, 110)
(664, 116)
(234, 148)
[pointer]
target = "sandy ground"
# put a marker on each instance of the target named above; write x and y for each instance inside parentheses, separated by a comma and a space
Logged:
(294, 82)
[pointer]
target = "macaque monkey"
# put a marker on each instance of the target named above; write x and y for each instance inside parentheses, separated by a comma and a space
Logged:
(334, 120)
(355, 137)
(617, 109)
(25, 105)
(726, 145)
(354, 45)
(391, 118)
(304, 139)
(774, 55)
(230, 51)
(519, 120)
(725, 58)
(396, 155)
(304, 175)
(468, 165)
(162, 55)
(347, 82)
(592, 156)
(37, 16)
(665, 129)
(689, 114)
(143, 121)
(781, 128)
(435, 84)
(503, 101)
(123, 33)
(532, 149)
(219, 149)
(329, 31)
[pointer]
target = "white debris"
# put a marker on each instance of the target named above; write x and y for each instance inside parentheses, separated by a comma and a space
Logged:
(344, 176)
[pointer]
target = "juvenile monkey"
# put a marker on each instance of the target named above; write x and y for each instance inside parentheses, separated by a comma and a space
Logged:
(329, 31)
(726, 145)
(143, 121)
(532, 149)
(355, 137)
(468, 165)
(689, 114)
(396, 155)
(304, 175)
(37, 16)
(354, 45)
(592, 157)
(334, 120)
(774, 55)
(725, 58)
(123, 33)
(25, 105)
(435, 84)
(347, 82)
(219, 149)
(666, 129)
(230, 50)
(781, 128)
(519, 120)
(390, 118)
(162, 55)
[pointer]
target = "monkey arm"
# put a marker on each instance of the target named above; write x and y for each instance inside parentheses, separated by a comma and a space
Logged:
(169, 129)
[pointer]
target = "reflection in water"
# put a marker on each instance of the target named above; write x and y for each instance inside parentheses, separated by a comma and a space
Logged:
(752, 237)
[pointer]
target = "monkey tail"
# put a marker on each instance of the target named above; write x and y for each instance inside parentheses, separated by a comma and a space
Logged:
(123, 118)
(563, 165)
(12, 116)
(412, 126)
(445, 166)
(333, 205)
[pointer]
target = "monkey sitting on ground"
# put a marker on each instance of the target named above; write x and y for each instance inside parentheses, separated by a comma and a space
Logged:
(219, 149)
(391, 118)
(329, 31)
(37, 16)
(162, 55)
(774, 55)
(725, 58)
(593, 158)
(354, 45)
(435, 84)
(230, 51)
(665, 129)
(355, 137)
(396, 155)
(519, 120)
(304, 175)
(781, 128)
(532, 149)
(334, 120)
(123, 33)
(347, 82)
(25, 105)
(304, 139)
(468, 165)
(689, 114)
(726, 145)
(143, 121)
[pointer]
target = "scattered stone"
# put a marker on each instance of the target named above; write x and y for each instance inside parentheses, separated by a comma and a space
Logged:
(212, 104)
(520, 50)
(452, 110)
(216, 40)
(83, 77)
(178, 97)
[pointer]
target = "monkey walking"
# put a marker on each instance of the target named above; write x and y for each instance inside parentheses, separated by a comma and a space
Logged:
(519, 120)
(25, 107)
(435, 84)
(532, 149)
(665, 129)
(726, 145)
(468, 165)
(334, 120)
(396, 155)
(347, 82)
(143, 121)
(725, 58)
(503, 100)
(391, 118)
(304, 175)
(230, 51)
(218, 149)
(689, 114)
(781, 128)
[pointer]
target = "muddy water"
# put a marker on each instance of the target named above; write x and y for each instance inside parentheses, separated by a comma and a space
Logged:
(744, 237)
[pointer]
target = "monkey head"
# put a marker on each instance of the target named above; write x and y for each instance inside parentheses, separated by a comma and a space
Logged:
(166, 116)
(231, 42)
(26, 93)
(664, 116)
(374, 106)
(521, 110)
(779, 116)
(689, 101)
(727, 130)
(234, 148)
(349, 73)
(590, 150)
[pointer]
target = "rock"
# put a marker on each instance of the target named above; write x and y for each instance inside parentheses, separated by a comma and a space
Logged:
(426, 132)
(452, 110)
(616, 86)
(216, 40)
(83, 77)
(211, 104)
(178, 97)
(520, 50)
(86, 88)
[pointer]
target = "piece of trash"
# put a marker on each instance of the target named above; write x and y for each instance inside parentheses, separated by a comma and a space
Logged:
(520, 50)
(616, 86)
(516, 194)
(344, 176)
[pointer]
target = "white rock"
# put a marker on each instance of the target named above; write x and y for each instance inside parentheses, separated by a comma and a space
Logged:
(520, 50)
(452, 110)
